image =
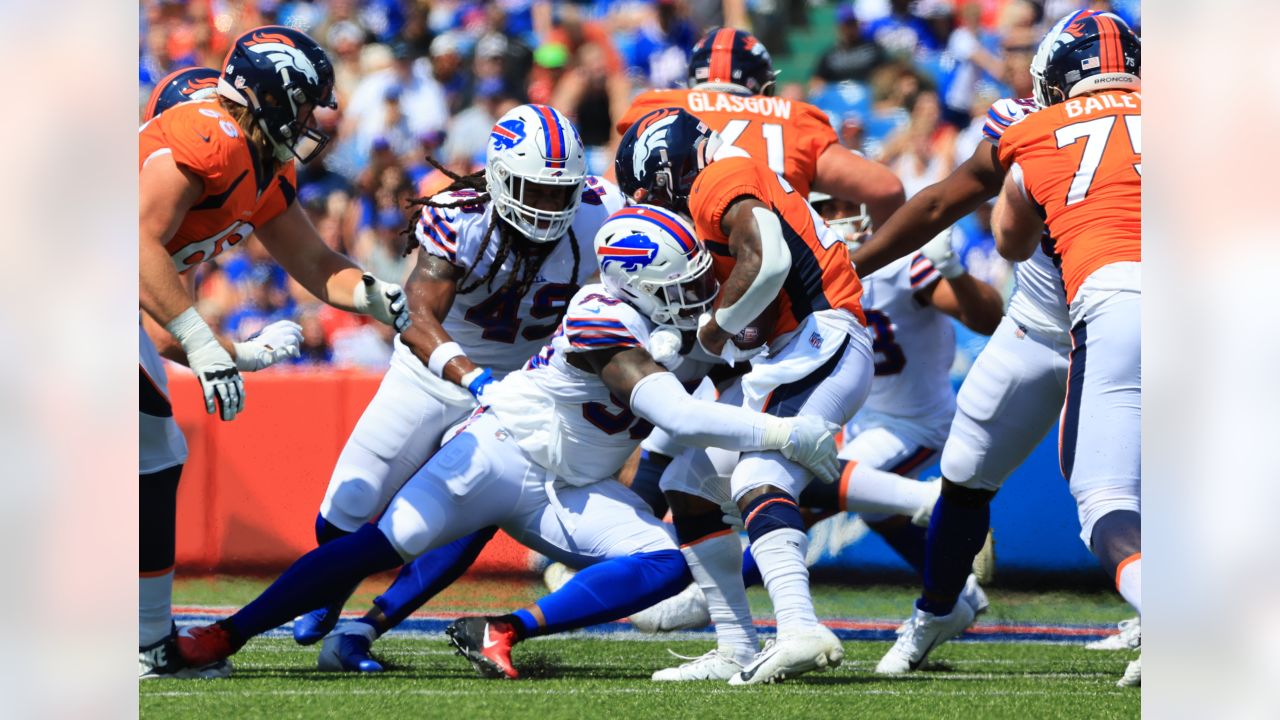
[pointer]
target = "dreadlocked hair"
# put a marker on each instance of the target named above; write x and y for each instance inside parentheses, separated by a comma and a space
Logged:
(529, 256)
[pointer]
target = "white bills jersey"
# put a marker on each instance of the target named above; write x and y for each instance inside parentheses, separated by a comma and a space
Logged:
(914, 343)
(565, 417)
(496, 329)
(1039, 300)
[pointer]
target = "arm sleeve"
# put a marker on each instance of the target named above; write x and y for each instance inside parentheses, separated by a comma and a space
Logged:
(663, 401)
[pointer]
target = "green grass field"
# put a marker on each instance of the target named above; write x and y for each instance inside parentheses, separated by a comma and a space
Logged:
(597, 676)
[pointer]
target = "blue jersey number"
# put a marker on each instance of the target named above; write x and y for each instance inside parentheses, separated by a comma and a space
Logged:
(499, 314)
(889, 356)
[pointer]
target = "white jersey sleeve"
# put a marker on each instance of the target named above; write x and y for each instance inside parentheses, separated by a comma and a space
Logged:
(563, 416)
(1003, 113)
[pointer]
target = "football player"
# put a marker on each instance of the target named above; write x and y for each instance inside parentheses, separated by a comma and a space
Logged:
(1075, 176)
(500, 253)
(537, 460)
(731, 81)
(211, 173)
(786, 280)
(1009, 400)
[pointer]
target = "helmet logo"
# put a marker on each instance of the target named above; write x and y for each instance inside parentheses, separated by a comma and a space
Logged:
(282, 53)
(507, 134)
(629, 253)
(195, 85)
(652, 136)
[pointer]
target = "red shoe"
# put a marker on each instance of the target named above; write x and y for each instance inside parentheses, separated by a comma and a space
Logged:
(200, 646)
(487, 643)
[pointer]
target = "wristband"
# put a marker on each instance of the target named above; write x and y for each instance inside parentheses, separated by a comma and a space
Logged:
(476, 380)
(190, 330)
(441, 356)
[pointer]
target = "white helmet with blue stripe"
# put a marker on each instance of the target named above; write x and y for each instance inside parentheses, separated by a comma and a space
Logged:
(536, 166)
(650, 258)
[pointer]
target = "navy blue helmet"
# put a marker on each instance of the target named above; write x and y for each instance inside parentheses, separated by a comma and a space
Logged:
(662, 153)
(179, 86)
(282, 76)
(733, 61)
(1086, 51)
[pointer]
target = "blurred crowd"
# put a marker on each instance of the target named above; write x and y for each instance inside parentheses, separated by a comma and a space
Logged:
(906, 82)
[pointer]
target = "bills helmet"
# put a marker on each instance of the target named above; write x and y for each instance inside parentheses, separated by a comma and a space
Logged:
(662, 153)
(281, 75)
(179, 86)
(1086, 51)
(536, 167)
(850, 221)
(733, 61)
(650, 258)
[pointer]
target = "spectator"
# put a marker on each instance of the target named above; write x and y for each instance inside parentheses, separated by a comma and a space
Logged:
(447, 70)
(922, 152)
(314, 349)
(901, 33)
(469, 132)
(973, 50)
(852, 58)
(588, 94)
(658, 53)
(420, 97)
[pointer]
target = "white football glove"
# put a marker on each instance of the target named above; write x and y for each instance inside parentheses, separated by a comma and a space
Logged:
(273, 343)
(664, 346)
(219, 380)
(730, 353)
(732, 516)
(383, 301)
(810, 441)
(943, 257)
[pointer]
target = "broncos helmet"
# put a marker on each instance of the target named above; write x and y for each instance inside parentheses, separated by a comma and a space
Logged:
(179, 86)
(650, 258)
(1086, 51)
(733, 61)
(281, 75)
(662, 153)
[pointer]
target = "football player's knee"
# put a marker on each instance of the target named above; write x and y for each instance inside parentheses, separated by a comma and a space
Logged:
(963, 464)
(770, 512)
(667, 571)
(412, 522)
(354, 503)
(1096, 503)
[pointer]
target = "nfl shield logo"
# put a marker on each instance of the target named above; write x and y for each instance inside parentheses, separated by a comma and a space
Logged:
(815, 340)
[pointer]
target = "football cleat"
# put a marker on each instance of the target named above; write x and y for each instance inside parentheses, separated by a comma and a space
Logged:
(974, 596)
(162, 660)
(788, 657)
(984, 563)
(921, 634)
(556, 575)
(1129, 637)
(683, 611)
(346, 649)
(312, 627)
(486, 642)
(714, 665)
(1132, 675)
(204, 645)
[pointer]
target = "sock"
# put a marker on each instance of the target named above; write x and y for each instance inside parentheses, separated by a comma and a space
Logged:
(714, 562)
(864, 489)
(750, 569)
(433, 571)
(645, 482)
(956, 533)
(779, 544)
(155, 608)
(610, 590)
(906, 538)
(1129, 580)
(313, 580)
(327, 531)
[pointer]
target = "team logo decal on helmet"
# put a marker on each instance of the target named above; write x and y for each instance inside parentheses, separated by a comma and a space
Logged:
(507, 134)
(629, 253)
(282, 52)
(1086, 51)
(193, 83)
(662, 154)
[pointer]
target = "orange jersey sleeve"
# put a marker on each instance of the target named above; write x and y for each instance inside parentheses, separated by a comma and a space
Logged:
(821, 276)
(205, 140)
(787, 135)
(1081, 164)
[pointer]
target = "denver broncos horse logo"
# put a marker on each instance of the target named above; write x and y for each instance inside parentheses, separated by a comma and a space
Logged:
(630, 253)
(282, 53)
(507, 134)
(651, 134)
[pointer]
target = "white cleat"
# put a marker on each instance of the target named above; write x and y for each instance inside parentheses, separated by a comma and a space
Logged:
(788, 657)
(715, 665)
(974, 596)
(556, 575)
(1129, 637)
(683, 611)
(1132, 675)
(920, 635)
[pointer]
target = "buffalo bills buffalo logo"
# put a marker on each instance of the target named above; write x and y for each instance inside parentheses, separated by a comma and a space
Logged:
(507, 134)
(630, 253)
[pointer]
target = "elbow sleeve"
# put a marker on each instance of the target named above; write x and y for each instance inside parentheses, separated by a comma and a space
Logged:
(775, 263)
(663, 401)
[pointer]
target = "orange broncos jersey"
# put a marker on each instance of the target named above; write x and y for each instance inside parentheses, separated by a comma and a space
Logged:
(821, 276)
(787, 135)
(1081, 163)
(207, 141)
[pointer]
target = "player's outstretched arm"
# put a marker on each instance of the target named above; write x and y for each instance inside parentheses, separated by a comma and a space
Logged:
(293, 241)
(656, 395)
(844, 174)
(933, 210)
(1015, 223)
(959, 294)
(762, 262)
